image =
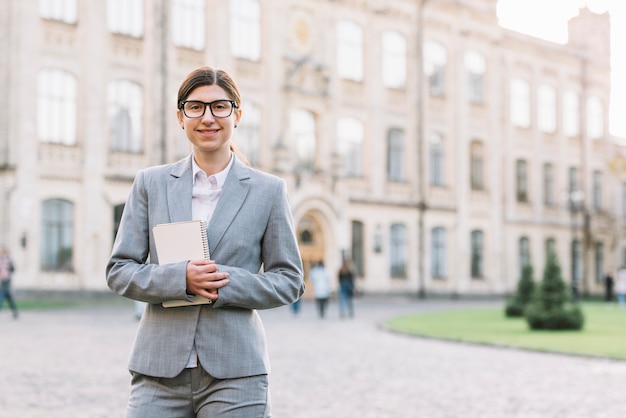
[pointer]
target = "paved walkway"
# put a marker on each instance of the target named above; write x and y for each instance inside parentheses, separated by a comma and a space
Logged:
(72, 363)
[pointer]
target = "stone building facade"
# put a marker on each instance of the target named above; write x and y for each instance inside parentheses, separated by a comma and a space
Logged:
(437, 150)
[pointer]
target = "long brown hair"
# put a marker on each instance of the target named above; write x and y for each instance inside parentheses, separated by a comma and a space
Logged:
(208, 76)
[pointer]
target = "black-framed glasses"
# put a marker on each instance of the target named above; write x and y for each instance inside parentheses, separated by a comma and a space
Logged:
(196, 108)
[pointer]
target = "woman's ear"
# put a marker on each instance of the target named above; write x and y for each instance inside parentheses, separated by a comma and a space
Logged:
(238, 113)
(179, 116)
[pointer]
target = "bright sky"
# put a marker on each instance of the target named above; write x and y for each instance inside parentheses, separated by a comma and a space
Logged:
(547, 19)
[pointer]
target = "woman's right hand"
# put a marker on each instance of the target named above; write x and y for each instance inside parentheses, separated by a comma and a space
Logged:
(204, 278)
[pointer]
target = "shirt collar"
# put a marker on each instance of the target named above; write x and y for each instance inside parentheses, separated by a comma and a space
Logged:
(220, 177)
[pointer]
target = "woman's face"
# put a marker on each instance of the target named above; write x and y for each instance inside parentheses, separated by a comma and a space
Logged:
(209, 134)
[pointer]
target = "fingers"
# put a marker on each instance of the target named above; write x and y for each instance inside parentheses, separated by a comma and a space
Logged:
(204, 278)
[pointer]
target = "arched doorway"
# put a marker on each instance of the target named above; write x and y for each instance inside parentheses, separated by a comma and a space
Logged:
(311, 242)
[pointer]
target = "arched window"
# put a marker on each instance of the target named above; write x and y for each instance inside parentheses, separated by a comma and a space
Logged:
(436, 166)
(350, 133)
(56, 107)
(394, 59)
(125, 116)
(475, 71)
(303, 137)
(245, 29)
(438, 253)
(57, 235)
(435, 59)
(349, 50)
(395, 155)
(398, 251)
(477, 181)
(477, 254)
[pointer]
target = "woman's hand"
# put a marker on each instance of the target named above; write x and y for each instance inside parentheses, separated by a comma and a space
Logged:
(204, 279)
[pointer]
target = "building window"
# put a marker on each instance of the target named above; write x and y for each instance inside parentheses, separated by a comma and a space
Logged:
(118, 210)
(546, 109)
(595, 118)
(57, 239)
(550, 248)
(624, 201)
(548, 184)
(350, 133)
(435, 58)
(249, 132)
(520, 103)
(398, 251)
(125, 17)
(56, 107)
(436, 167)
(61, 10)
(597, 190)
(245, 29)
(521, 179)
(438, 253)
(599, 262)
(577, 263)
(573, 179)
(358, 257)
(395, 155)
(571, 111)
(476, 166)
(349, 50)
(188, 24)
(476, 256)
(303, 136)
(475, 70)
(125, 116)
(524, 253)
(394, 59)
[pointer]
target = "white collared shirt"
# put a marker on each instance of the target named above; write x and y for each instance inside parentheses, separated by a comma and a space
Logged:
(205, 194)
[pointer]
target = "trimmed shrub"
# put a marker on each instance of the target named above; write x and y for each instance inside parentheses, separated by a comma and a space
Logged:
(551, 307)
(523, 294)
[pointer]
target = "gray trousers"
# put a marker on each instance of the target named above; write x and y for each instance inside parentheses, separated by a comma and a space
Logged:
(196, 394)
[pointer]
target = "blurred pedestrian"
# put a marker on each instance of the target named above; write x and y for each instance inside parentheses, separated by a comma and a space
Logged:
(346, 290)
(6, 271)
(295, 307)
(320, 279)
(608, 286)
(620, 287)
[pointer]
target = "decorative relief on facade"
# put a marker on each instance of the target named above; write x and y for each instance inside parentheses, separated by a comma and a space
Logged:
(58, 38)
(304, 75)
(60, 161)
(126, 165)
(189, 58)
(397, 98)
(249, 70)
(126, 49)
(301, 37)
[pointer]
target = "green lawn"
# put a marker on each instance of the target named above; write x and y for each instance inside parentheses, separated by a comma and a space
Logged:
(31, 305)
(603, 334)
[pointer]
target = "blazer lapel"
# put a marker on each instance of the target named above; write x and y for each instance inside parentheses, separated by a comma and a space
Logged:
(179, 189)
(235, 191)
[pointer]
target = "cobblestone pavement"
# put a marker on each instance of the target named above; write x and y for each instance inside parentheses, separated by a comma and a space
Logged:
(70, 363)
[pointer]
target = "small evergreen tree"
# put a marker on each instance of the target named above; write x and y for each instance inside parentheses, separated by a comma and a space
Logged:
(551, 306)
(523, 295)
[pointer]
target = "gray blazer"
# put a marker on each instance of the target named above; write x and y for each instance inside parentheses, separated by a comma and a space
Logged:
(251, 229)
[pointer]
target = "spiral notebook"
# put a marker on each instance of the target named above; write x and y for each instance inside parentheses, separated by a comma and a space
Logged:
(180, 241)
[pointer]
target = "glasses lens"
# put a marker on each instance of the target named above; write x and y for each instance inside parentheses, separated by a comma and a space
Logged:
(193, 109)
(221, 108)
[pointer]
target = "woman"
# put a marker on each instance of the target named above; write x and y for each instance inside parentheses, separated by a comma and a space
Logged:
(206, 360)
(346, 290)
